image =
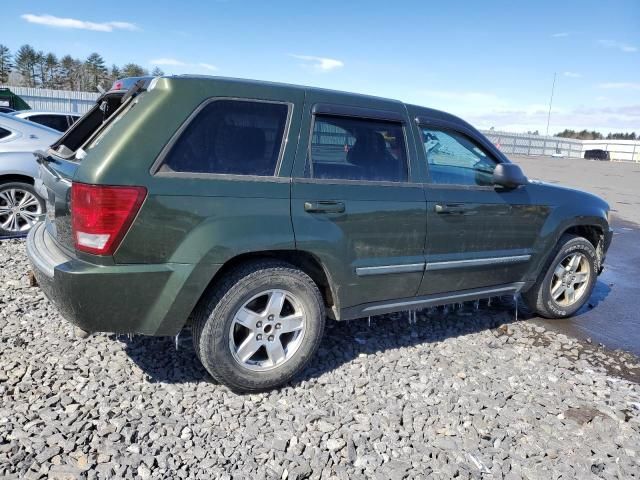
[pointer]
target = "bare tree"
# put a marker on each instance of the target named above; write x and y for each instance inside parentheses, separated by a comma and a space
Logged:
(6, 64)
(52, 71)
(70, 72)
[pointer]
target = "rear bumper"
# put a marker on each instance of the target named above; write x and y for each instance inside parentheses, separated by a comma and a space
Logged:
(134, 298)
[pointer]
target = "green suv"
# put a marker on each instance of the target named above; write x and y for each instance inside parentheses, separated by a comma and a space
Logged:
(252, 211)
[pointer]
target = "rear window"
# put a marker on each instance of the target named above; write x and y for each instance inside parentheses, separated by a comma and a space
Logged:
(92, 123)
(235, 137)
(57, 122)
(4, 132)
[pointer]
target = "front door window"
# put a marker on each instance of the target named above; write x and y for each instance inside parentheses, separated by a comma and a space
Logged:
(455, 159)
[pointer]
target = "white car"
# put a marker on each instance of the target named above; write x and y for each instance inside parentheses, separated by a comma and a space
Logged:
(20, 205)
(57, 121)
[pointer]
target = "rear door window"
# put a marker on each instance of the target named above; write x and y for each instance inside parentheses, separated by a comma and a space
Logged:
(346, 148)
(234, 137)
(4, 132)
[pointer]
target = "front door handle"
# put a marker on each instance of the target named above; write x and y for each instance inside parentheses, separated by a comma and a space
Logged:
(324, 206)
(450, 208)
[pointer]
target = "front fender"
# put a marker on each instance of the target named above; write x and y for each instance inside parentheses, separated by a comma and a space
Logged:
(563, 218)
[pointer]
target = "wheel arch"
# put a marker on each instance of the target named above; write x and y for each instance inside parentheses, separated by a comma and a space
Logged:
(305, 261)
(593, 233)
(592, 229)
(16, 177)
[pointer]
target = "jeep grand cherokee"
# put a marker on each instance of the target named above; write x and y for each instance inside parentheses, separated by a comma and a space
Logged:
(252, 211)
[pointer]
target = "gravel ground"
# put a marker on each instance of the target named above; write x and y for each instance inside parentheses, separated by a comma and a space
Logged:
(468, 394)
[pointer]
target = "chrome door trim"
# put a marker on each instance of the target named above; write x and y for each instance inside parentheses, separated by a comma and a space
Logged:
(388, 269)
(477, 262)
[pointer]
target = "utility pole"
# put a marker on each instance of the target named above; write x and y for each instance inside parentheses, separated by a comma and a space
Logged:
(550, 103)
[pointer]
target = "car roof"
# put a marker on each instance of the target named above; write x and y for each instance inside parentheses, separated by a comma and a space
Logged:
(417, 109)
(246, 81)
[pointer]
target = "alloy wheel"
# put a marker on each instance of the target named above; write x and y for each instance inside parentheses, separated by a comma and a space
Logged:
(19, 210)
(267, 330)
(570, 279)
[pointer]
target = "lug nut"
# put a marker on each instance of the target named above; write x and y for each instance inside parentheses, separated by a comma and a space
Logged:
(270, 317)
(271, 338)
(259, 337)
(259, 324)
(278, 326)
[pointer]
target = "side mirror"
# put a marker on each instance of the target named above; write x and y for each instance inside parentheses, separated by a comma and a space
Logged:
(509, 175)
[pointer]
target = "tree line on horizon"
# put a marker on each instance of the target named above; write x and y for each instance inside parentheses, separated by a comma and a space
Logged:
(30, 68)
(593, 135)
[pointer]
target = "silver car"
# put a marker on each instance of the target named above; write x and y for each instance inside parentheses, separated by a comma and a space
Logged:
(56, 120)
(20, 205)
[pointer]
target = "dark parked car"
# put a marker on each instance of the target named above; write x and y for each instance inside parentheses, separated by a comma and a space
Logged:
(254, 210)
(597, 154)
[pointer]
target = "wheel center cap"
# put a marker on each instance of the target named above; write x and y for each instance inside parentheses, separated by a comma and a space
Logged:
(267, 328)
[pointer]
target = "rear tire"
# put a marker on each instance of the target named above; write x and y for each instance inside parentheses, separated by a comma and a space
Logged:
(567, 281)
(260, 327)
(20, 208)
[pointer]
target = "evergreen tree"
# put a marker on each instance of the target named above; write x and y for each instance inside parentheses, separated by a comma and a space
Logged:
(133, 70)
(96, 71)
(26, 62)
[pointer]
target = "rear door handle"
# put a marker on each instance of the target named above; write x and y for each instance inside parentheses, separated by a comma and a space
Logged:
(450, 208)
(324, 206)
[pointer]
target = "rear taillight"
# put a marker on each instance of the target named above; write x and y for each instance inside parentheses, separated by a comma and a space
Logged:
(101, 215)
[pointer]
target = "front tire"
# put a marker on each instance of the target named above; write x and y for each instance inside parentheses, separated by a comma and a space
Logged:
(260, 327)
(567, 282)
